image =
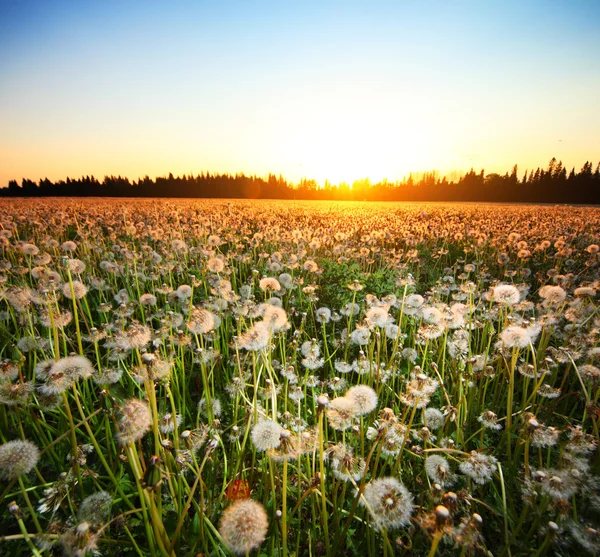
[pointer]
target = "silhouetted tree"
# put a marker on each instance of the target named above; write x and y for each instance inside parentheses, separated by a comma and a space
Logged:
(552, 185)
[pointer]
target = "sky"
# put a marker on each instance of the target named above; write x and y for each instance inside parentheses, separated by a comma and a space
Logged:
(322, 90)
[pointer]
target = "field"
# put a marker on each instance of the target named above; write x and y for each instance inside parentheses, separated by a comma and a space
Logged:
(186, 378)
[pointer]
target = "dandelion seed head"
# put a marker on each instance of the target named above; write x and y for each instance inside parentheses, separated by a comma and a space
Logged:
(256, 338)
(389, 502)
(342, 412)
(438, 469)
(167, 423)
(269, 283)
(266, 434)
(489, 420)
(323, 315)
(514, 336)
(243, 526)
(17, 458)
(63, 373)
(364, 397)
(135, 420)
(434, 418)
(479, 467)
(95, 509)
(74, 290)
(506, 294)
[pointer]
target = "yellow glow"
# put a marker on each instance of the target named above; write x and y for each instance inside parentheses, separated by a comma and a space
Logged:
(340, 142)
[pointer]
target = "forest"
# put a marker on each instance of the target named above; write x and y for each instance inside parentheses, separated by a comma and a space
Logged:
(554, 184)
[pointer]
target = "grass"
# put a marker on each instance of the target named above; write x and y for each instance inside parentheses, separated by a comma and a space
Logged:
(163, 379)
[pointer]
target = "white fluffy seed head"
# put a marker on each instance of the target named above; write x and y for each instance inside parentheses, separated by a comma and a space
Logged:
(243, 526)
(266, 435)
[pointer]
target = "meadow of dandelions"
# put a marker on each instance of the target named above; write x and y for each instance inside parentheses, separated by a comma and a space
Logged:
(293, 378)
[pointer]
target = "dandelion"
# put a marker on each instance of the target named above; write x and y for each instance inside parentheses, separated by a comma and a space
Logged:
(552, 295)
(409, 354)
(216, 407)
(438, 469)
(489, 420)
(434, 418)
(194, 439)
(200, 321)
(394, 438)
(514, 336)
(30, 249)
(256, 338)
(350, 309)
(64, 373)
(323, 315)
(392, 330)
(430, 332)
(68, 246)
(389, 503)
(275, 318)
(580, 443)
(269, 283)
(342, 412)
(310, 348)
(432, 316)
(286, 281)
(15, 394)
(135, 337)
(412, 304)
(28, 344)
(17, 458)
(184, 292)
(360, 336)
(215, 265)
(95, 508)
(506, 294)
(148, 300)
(107, 376)
(355, 286)
(78, 292)
(18, 298)
(419, 390)
(344, 464)
(10, 370)
(310, 266)
(592, 249)
(364, 397)
(266, 434)
(377, 316)
(584, 292)
(134, 422)
(167, 423)
(479, 467)
(342, 367)
(558, 484)
(290, 447)
(76, 266)
(542, 436)
(589, 372)
(243, 526)
(80, 540)
(547, 391)
(122, 296)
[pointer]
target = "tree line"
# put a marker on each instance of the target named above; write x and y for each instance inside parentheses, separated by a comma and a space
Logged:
(550, 185)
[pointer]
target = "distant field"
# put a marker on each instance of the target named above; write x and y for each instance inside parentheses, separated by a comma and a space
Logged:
(185, 377)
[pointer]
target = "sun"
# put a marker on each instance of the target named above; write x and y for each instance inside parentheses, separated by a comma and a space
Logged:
(346, 145)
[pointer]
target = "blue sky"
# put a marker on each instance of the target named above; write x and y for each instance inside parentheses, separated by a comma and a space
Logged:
(324, 90)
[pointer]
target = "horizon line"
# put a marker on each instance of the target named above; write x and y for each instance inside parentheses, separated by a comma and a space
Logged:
(450, 175)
